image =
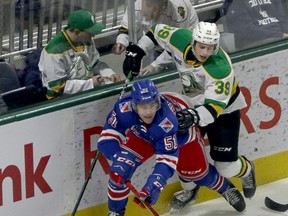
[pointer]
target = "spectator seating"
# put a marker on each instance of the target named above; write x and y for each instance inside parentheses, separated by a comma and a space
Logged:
(8, 78)
(13, 95)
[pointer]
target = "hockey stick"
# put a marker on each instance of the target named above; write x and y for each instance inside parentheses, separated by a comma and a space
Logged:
(124, 88)
(132, 37)
(85, 184)
(126, 83)
(269, 203)
(138, 199)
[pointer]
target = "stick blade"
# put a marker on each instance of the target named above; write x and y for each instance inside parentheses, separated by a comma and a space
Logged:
(269, 203)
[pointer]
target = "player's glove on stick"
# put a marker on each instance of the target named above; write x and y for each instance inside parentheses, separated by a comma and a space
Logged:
(132, 62)
(152, 189)
(186, 118)
(123, 166)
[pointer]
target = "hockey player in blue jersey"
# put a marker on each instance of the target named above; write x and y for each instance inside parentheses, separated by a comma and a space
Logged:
(144, 124)
(208, 78)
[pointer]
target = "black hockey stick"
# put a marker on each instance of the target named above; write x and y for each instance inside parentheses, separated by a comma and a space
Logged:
(124, 88)
(269, 203)
(85, 184)
(126, 83)
(139, 200)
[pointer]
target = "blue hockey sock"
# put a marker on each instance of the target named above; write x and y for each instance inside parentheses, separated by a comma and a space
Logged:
(214, 181)
(117, 197)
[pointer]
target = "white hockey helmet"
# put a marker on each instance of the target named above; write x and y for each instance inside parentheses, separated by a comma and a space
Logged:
(206, 33)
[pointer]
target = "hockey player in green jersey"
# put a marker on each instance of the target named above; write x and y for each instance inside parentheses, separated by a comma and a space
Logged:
(208, 78)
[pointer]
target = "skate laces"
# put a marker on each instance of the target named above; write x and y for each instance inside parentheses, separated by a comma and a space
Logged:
(183, 195)
(187, 195)
(231, 195)
(248, 181)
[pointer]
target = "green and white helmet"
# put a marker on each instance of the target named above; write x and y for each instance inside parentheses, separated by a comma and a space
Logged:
(206, 33)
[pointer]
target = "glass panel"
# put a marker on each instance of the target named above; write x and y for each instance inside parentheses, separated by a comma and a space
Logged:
(251, 23)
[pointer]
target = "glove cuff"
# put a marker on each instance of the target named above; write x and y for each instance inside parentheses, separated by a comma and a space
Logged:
(135, 48)
(117, 179)
(158, 180)
(195, 115)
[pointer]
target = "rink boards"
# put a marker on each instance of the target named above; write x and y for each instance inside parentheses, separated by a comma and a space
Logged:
(46, 150)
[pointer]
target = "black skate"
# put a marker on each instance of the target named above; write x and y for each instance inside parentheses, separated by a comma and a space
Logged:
(234, 198)
(183, 198)
(122, 213)
(249, 183)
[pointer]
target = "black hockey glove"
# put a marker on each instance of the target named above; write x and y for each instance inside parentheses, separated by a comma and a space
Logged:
(132, 62)
(186, 118)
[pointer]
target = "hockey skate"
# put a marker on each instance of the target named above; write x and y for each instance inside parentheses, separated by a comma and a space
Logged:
(249, 182)
(122, 213)
(183, 198)
(234, 198)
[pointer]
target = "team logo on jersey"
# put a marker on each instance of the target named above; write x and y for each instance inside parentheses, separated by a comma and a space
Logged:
(190, 84)
(125, 107)
(181, 12)
(134, 130)
(166, 125)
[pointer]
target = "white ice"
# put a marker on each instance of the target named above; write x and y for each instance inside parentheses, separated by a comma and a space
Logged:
(277, 191)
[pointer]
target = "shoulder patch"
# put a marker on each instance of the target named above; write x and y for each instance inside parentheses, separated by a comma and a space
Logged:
(125, 107)
(166, 125)
(181, 11)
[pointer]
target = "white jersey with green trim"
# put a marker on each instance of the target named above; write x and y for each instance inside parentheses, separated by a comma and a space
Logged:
(179, 13)
(211, 85)
(68, 68)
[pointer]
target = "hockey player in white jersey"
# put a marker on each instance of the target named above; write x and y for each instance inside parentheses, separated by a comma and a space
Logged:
(208, 78)
(178, 13)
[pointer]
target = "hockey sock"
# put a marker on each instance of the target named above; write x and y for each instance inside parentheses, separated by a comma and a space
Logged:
(214, 181)
(245, 168)
(117, 197)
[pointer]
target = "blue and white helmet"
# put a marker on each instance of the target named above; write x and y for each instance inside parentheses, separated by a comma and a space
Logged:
(144, 91)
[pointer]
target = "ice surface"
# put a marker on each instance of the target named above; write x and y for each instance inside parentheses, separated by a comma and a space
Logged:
(278, 191)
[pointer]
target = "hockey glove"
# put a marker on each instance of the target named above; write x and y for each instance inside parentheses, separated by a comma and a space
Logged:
(186, 118)
(152, 189)
(123, 166)
(132, 62)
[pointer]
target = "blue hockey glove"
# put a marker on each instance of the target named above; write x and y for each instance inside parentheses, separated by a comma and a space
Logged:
(132, 62)
(152, 189)
(123, 166)
(186, 118)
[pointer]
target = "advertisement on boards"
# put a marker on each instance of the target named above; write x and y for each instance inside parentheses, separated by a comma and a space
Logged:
(45, 159)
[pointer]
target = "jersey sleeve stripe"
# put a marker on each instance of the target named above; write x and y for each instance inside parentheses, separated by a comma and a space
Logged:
(178, 100)
(140, 157)
(112, 134)
(171, 161)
